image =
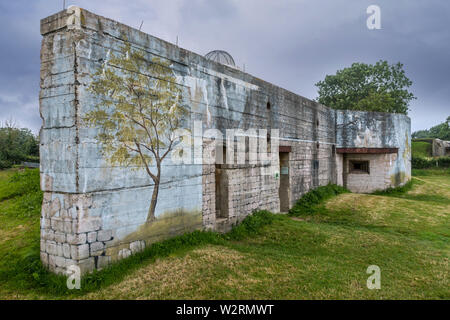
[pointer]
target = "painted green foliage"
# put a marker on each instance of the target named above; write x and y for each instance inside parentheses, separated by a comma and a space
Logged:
(379, 87)
(140, 109)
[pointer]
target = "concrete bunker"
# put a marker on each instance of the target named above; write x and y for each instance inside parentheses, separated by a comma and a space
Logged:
(367, 169)
(94, 213)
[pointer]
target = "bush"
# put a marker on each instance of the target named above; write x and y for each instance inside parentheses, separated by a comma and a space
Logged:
(310, 201)
(420, 163)
(444, 162)
(424, 163)
(5, 164)
(252, 224)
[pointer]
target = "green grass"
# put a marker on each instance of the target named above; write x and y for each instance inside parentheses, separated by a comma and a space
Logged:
(21, 271)
(395, 191)
(321, 252)
(421, 149)
(431, 172)
(312, 200)
(20, 206)
(175, 246)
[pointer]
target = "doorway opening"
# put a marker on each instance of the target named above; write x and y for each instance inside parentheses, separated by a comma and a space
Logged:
(221, 188)
(284, 190)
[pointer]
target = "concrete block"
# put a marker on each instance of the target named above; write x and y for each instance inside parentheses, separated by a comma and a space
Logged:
(79, 252)
(104, 235)
(60, 237)
(89, 224)
(86, 265)
(124, 253)
(97, 248)
(103, 262)
(137, 246)
(66, 250)
(75, 239)
(44, 258)
(51, 248)
(92, 237)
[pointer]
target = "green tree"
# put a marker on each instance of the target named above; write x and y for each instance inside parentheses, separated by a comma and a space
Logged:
(378, 87)
(440, 131)
(140, 108)
(17, 145)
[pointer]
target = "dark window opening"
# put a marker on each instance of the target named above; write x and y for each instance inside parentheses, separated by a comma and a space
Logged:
(316, 164)
(268, 143)
(224, 154)
(317, 145)
(333, 150)
(359, 166)
(268, 105)
(317, 122)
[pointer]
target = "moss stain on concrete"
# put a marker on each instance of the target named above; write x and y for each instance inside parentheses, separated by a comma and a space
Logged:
(165, 226)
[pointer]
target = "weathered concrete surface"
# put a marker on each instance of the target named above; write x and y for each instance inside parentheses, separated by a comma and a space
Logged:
(94, 213)
(356, 129)
(440, 148)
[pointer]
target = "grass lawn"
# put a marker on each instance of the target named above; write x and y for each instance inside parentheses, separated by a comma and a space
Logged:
(320, 255)
(421, 149)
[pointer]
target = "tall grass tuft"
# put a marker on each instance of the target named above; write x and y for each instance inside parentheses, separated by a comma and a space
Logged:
(251, 225)
(309, 203)
(395, 190)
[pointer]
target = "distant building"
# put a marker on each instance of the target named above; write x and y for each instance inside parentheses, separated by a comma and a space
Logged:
(439, 148)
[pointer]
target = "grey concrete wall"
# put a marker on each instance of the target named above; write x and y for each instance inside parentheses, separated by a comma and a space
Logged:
(357, 129)
(94, 213)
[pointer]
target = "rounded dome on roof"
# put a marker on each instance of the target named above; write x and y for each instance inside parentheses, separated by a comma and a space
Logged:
(220, 56)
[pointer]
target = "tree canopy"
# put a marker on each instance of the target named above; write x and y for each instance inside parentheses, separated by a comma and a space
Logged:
(440, 131)
(379, 87)
(17, 145)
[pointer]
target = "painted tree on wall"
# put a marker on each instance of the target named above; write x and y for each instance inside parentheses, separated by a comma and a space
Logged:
(138, 114)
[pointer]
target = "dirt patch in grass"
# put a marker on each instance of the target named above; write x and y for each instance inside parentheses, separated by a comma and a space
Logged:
(15, 232)
(299, 219)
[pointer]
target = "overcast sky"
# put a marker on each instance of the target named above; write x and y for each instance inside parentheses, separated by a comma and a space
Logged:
(290, 43)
